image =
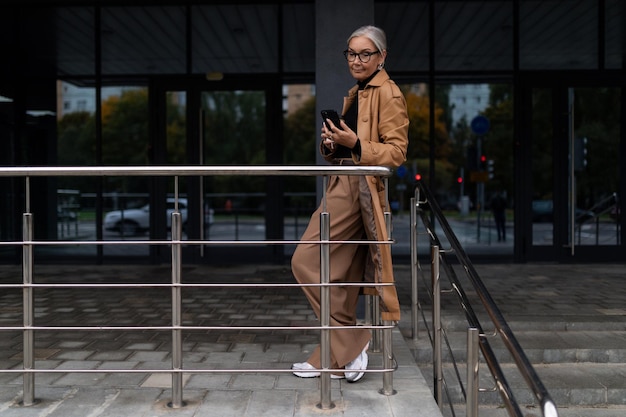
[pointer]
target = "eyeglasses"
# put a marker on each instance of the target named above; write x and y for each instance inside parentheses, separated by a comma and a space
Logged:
(363, 56)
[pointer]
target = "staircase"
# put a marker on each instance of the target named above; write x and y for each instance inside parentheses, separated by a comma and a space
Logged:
(581, 362)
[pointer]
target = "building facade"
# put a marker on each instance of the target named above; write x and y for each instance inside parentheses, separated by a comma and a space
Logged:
(205, 82)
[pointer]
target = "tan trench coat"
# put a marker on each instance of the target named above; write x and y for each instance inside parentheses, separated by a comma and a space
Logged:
(382, 127)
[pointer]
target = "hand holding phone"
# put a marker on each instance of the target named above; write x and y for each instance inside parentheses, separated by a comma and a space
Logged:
(333, 116)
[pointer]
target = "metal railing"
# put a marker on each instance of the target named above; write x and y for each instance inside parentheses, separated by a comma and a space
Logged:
(424, 206)
(607, 207)
(177, 328)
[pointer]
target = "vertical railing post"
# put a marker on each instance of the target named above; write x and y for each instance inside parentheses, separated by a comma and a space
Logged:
(28, 310)
(177, 340)
(325, 398)
(471, 404)
(387, 360)
(437, 363)
(28, 362)
(376, 336)
(414, 270)
(387, 332)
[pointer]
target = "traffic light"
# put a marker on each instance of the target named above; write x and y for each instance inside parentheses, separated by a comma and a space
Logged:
(418, 177)
(580, 154)
(483, 162)
(459, 180)
(490, 169)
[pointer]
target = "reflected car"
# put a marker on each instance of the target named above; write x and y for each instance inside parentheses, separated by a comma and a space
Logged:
(543, 212)
(131, 222)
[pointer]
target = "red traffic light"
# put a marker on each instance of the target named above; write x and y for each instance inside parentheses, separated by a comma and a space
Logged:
(483, 162)
(459, 180)
(418, 177)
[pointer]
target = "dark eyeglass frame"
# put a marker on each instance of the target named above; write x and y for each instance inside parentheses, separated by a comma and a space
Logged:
(364, 57)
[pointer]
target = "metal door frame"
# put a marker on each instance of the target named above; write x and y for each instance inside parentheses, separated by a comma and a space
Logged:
(560, 85)
(194, 86)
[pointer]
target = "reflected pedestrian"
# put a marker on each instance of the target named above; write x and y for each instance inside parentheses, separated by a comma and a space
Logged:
(498, 208)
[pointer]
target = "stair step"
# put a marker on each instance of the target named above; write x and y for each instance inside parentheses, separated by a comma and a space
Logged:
(569, 385)
(534, 411)
(581, 361)
(541, 323)
(542, 347)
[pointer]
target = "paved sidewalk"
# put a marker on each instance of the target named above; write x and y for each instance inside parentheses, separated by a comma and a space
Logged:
(527, 294)
(214, 393)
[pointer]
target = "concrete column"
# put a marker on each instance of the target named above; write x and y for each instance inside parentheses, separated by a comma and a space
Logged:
(334, 22)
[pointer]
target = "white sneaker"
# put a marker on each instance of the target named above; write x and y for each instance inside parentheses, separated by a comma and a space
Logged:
(305, 366)
(359, 363)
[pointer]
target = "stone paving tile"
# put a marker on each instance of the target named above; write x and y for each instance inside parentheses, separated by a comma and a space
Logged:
(209, 381)
(117, 365)
(110, 355)
(73, 355)
(583, 296)
(161, 380)
(227, 403)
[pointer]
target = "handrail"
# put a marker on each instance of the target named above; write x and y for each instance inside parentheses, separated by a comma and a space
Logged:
(144, 171)
(604, 205)
(473, 321)
(593, 214)
(28, 286)
(524, 366)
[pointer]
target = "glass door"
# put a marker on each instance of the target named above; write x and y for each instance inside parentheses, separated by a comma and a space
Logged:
(217, 127)
(575, 136)
(232, 126)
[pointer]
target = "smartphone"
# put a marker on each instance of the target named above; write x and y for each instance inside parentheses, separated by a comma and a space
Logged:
(333, 116)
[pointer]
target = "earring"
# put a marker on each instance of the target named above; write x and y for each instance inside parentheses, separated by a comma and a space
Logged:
(381, 65)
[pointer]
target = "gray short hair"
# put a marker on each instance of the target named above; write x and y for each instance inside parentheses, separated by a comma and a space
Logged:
(373, 33)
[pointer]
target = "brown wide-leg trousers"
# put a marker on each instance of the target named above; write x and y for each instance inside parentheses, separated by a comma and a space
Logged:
(347, 262)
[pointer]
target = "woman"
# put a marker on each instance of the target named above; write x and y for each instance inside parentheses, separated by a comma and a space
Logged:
(373, 132)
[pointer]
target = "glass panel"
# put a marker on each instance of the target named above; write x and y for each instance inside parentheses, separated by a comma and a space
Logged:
(176, 128)
(496, 159)
(143, 40)
(297, 20)
(542, 167)
(478, 182)
(35, 38)
(596, 165)
(558, 34)
(473, 35)
(233, 126)
(76, 146)
(402, 185)
(9, 223)
(8, 226)
(125, 141)
(48, 206)
(300, 139)
(406, 26)
(176, 153)
(75, 41)
(246, 42)
(614, 21)
(9, 44)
